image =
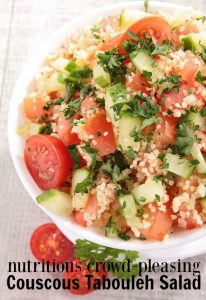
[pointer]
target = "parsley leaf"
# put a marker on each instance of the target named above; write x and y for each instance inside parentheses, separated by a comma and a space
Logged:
(110, 229)
(112, 62)
(200, 78)
(95, 164)
(150, 121)
(123, 235)
(171, 83)
(91, 252)
(184, 139)
(82, 187)
(73, 151)
(130, 154)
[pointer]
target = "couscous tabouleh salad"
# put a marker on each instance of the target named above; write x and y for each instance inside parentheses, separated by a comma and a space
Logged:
(116, 126)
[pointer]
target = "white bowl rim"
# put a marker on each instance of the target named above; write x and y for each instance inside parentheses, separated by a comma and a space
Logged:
(69, 227)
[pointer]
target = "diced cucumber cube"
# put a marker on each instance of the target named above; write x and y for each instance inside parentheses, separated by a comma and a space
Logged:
(126, 125)
(148, 192)
(101, 77)
(130, 16)
(197, 154)
(179, 166)
(56, 202)
(194, 41)
(30, 128)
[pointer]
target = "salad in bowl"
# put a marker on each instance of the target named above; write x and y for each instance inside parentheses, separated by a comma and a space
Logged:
(115, 122)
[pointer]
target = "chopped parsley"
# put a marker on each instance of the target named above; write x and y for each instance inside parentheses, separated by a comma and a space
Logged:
(200, 78)
(112, 62)
(110, 229)
(184, 139)
(123, 235)
(73, 151)
(171, 83)
(95, 164)
(82, 187)
(130, 154)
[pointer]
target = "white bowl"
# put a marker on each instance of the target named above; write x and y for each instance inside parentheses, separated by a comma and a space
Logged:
(179, 245)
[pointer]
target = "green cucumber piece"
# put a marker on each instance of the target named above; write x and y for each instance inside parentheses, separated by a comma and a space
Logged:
(197, 154)
(194, 41)
(30, 128)
(179, 166)
(130, 16)
(126, 125)
(128, 205)
(56, 202)
(101, 77)
(79, 200)
(147, 192)
(194, 119)
(143, 62)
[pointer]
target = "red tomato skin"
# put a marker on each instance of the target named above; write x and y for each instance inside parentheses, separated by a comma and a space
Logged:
(80, 272)
(189, 70)
(47, 240)
(111, 44)
(167, 132)
(79, 218)
(171, 98)
(88, 105)
(161, 223)
(33, 108)
(105, 144)
(64, 129)
(138, 83)
(38, 160)
(155, 26)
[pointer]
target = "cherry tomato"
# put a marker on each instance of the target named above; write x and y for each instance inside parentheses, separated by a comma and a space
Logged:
(138, 83)
(48, 243)
(33, 108)
(91, 208)
(113, 43)
(80, 275)
(103, 138)
(64, 129)
(155, 26)
(47, 160)
(161, 223)
(88, 106)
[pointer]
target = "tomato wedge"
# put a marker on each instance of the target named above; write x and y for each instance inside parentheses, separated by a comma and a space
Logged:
(47, 160)
(33, 108)
(80, 275)
(161, 223)
(64, 129)
(155, 26)
(102, 133)
(49, 244)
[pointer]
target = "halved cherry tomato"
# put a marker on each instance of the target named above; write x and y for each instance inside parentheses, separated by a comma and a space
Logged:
(167, 132)
(138, 83)
(156, 27)
(33, 108)
(103, 138)
(49, 244)
(64, 129)
(113, 43)
(47, 160)
(190, 68)
(88, 105)
(91, 208)
(76, 273)
(161, 223)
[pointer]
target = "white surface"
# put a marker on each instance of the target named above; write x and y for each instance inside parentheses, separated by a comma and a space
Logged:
(23, 25)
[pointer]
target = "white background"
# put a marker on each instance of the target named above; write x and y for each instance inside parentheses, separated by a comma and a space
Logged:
(23, 25)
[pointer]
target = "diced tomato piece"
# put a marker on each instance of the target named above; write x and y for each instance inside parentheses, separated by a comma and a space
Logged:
(190, 68)
(88, 106)
(171, 98)
(91, 208)
(53, 95)
(113, 43)
(138, 83)
(161, 223)
(186, 29)
(64, 129)
(34, 108)
(167, 132)
(102, 133)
